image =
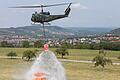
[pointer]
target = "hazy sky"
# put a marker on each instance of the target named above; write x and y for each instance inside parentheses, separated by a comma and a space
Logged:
(91, 13)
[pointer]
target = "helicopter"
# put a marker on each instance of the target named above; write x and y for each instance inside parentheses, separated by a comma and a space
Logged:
(45, 17)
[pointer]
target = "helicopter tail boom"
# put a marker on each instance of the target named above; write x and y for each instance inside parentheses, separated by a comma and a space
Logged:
(67, 11)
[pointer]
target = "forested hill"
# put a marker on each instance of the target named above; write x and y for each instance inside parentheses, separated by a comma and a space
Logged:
(115, 32)
(54, 31)
(37, 30)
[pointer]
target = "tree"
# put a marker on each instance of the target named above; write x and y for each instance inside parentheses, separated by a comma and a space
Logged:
(36, 52)
(95, 46)
(101, 51)
(101, 60)
(111, 45)
(38, 44)
(11, 54)
(6, 44)
(62, 52)
(25, 44)
(67, 45)
(28, 55)
(83, 46)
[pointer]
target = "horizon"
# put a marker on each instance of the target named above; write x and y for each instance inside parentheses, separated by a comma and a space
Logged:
(112, 28)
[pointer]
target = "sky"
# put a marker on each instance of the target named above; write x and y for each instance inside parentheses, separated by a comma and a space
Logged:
(90, 13)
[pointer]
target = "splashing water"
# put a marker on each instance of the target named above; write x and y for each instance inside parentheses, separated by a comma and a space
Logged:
(46, 67)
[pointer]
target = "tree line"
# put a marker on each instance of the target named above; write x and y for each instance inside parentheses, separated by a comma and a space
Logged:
(93, 46)
(23, 44)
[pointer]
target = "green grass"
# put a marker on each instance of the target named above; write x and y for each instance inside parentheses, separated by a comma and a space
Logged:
(19, 51)
(15, 69)
(82, 54)
(76, 54)
(82, 71)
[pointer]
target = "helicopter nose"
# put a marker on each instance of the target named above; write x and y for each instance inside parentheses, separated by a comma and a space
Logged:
(32, 18)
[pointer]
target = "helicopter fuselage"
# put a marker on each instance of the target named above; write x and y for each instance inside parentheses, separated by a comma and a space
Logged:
(45, 17)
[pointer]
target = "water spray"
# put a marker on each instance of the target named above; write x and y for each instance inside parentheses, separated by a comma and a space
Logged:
(46, 67)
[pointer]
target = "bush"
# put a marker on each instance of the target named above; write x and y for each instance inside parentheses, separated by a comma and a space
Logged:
(101, 60)
(28, 55)
(62, 52)
(11, 54)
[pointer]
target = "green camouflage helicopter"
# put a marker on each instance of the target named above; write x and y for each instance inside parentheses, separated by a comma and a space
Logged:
(45, 17)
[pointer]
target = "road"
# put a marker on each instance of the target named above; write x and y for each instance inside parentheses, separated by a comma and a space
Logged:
(81, 61)
(63, 60)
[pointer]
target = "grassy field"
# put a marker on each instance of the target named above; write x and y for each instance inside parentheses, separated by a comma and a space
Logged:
(76, 54)
(15, 69)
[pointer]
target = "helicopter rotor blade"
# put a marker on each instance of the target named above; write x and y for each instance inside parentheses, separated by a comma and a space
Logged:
(26, 7)
(56, 5)
(39, 6)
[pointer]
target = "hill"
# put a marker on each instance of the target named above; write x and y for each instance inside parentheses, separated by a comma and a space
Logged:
(36, 30)
(115, 32)
(81, 31)
(53, 31)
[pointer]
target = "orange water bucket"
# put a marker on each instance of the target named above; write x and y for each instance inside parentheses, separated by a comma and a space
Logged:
(39, 76)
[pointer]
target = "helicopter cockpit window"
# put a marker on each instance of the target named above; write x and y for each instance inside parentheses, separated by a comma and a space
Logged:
(46, 13)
